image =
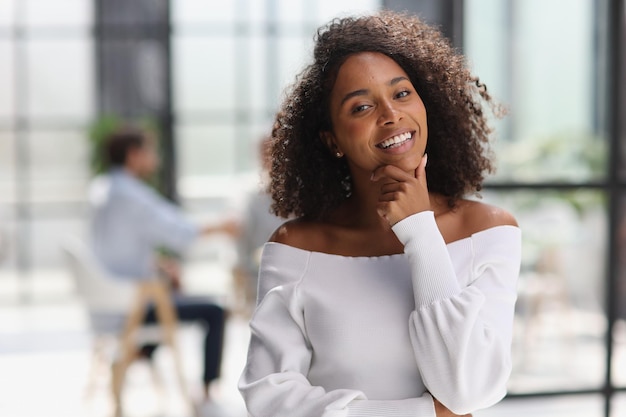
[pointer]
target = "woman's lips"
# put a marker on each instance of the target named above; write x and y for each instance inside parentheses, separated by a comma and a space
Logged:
(395, 141)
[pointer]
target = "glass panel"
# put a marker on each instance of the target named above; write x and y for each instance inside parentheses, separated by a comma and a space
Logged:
(7, 80)
(206, 150)
(55, 175)
(204, 73)
(618, 372)
(7, 13)
(248, 155)
(254, 11)
(7, 252)
(202, 11)
(329, 9)
(60, 78)
(544, 73)
(560, 310)
(487, 49)
(290, 10)
(618, 405)
(258, 95)
(566, 406)
(619, 335)
(58, 12)
(7, 168)
(294, 54)
(9, 279)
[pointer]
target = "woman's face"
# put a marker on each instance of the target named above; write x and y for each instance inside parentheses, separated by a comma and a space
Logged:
(378, 117)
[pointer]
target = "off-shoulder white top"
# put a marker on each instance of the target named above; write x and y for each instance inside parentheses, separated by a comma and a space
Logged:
(338, 336)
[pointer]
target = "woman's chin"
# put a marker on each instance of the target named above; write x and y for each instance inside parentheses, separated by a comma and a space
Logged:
(409, 165)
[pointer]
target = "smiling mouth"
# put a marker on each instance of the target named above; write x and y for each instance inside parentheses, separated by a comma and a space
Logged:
(395, 141)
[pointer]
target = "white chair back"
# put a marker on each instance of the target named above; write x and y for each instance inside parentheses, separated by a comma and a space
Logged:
(106, 298)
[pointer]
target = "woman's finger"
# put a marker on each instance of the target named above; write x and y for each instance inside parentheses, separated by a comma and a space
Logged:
(392, 187)
(420, 171)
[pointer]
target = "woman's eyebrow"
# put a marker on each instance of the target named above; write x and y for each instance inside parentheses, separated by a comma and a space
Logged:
(397, 80)
(355, 93)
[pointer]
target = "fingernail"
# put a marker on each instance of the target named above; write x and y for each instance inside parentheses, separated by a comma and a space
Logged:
(372, 177)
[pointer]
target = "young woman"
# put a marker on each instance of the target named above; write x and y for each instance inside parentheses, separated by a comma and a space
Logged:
(391, 294)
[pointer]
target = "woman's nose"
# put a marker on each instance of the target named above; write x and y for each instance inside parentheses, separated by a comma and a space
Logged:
(388, 114)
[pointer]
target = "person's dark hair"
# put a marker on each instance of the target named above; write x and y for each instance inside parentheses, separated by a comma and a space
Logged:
(307, 180)
(119, 143)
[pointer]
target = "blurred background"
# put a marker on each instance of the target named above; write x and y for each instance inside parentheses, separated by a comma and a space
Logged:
(209, 75)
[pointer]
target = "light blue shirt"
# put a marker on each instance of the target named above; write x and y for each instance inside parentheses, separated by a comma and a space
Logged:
(130, 221)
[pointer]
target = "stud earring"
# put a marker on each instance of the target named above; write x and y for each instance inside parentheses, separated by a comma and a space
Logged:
(338, 154)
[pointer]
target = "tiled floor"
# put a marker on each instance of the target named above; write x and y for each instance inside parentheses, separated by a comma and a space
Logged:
(44, 369)
(45, 357)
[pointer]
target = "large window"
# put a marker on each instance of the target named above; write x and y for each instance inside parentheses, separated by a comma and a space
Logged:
(550, 64)
(549, 76)
(47, 101)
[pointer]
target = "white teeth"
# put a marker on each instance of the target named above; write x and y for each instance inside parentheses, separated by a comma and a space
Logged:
(395, 140)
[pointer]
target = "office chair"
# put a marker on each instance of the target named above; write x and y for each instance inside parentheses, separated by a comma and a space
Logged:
(116, 309)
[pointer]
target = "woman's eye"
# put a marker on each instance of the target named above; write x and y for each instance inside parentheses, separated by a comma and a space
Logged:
(403, 93)
(360, 108)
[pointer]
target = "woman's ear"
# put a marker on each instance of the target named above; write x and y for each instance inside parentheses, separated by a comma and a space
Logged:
(329, 140)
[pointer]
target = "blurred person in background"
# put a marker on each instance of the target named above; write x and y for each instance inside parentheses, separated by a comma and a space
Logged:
(131, 226)
(257, 224)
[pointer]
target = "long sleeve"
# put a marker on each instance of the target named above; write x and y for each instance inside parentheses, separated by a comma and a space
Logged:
(274, 382)
(461, 334)
(161, 222)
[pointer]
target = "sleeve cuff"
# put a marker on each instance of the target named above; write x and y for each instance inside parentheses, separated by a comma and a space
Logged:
(433, 274)
(422, 406)
(415, 225)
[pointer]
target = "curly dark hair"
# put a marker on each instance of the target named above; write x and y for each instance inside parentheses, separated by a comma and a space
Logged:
(308, 181)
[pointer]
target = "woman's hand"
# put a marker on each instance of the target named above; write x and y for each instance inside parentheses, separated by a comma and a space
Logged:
(442, 411)
(401, 194)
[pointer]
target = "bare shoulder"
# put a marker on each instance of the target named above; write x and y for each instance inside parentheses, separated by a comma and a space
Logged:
(298, 233)
(482, 216)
